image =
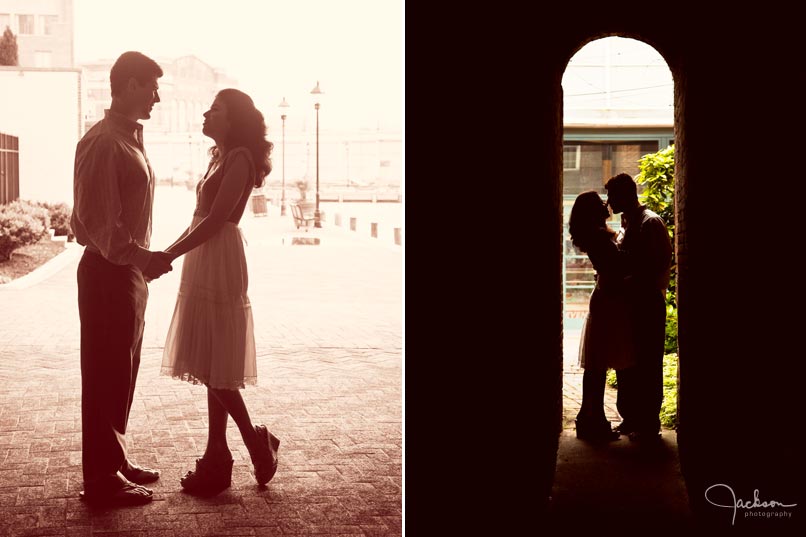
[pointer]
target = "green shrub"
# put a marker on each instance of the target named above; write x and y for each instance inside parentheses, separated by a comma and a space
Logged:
(21, 224)
(60, 214)
(610, 380)
(668, 409)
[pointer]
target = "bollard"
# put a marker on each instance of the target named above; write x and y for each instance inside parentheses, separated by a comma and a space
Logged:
(373, 227)
(352, 223)
(338, 219)
(397, 236)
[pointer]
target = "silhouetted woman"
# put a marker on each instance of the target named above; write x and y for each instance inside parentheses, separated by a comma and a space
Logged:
(605, 341)
(211, 338)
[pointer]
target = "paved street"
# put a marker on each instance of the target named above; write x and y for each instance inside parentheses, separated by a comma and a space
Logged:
(328, 321)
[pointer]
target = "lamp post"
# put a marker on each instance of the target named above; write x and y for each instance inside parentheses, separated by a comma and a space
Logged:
(347, 147)
(283, 105)
(317, 92)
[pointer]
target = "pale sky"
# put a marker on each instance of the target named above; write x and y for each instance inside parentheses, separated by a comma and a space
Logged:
(273, 48)
(616, 73)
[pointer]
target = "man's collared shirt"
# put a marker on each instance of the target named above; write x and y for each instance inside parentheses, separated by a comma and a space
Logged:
(113, 191)
(646, 242)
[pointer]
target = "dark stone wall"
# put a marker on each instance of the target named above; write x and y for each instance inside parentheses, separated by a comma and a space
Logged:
(739, 112)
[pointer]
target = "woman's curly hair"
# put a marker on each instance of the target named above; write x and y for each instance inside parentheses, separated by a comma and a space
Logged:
(247, 129)
(588, 216)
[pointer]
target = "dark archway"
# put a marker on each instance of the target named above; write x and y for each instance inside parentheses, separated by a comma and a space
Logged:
(738, 93)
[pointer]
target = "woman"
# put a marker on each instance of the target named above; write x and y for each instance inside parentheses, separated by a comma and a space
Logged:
(211, 338)
(606, 340)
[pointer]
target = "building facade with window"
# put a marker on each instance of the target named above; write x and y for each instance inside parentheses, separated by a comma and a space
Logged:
(44, 31)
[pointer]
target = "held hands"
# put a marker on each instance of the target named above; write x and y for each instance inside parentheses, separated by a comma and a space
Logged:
(159, 264)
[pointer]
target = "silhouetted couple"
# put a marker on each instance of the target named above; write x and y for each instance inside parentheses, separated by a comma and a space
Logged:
(211, 337)
(626, 322)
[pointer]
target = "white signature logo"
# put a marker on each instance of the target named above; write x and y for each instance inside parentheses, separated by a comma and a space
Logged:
(739, 504)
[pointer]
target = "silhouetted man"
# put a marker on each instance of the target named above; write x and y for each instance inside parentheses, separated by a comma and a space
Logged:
(113, 193)
(648, 250)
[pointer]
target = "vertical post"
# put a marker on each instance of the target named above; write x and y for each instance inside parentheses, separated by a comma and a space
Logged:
(282, 196)
(317, 222)
(347, 145)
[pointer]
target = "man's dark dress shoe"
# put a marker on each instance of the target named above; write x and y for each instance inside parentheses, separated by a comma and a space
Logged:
(645, 436)
(623, 428)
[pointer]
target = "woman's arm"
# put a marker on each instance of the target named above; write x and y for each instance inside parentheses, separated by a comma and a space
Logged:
(236, 178)
(182, 236)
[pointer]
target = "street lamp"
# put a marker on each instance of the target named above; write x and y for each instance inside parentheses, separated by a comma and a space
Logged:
(347, 147)
(283, 105)
(317, 92)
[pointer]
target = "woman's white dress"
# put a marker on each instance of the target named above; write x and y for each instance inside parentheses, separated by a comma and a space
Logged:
(211, 338)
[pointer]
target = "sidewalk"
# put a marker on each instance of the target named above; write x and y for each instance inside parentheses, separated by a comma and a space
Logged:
(600, 485)
(328, 322)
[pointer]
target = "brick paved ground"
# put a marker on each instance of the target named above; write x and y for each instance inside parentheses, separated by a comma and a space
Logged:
(329, 335)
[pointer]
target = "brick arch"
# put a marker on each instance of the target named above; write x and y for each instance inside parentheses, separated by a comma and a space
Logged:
(553, 117)
(738, 94)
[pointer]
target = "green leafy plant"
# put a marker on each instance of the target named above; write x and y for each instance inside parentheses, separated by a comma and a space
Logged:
(668, 409)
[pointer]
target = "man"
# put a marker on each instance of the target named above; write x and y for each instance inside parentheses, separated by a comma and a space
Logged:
(648, 250)
(113, 193)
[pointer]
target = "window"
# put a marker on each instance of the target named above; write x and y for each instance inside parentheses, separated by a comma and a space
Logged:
(49, 23)
(5, 21)
(43, 58)
(571, 157)
(25, 23)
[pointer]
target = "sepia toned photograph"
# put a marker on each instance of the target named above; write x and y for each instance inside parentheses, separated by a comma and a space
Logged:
(201, 268)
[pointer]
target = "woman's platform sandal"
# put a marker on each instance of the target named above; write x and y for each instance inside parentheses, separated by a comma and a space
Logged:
(209, 478)
(266, 461)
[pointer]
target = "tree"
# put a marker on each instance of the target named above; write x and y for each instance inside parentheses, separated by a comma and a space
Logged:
(8, 48)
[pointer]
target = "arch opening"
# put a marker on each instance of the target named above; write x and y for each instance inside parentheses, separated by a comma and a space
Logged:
(618, 106)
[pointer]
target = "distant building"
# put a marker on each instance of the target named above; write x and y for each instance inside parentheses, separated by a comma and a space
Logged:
(44, 31)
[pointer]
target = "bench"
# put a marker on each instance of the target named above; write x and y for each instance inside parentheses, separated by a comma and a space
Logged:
(303, 214)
